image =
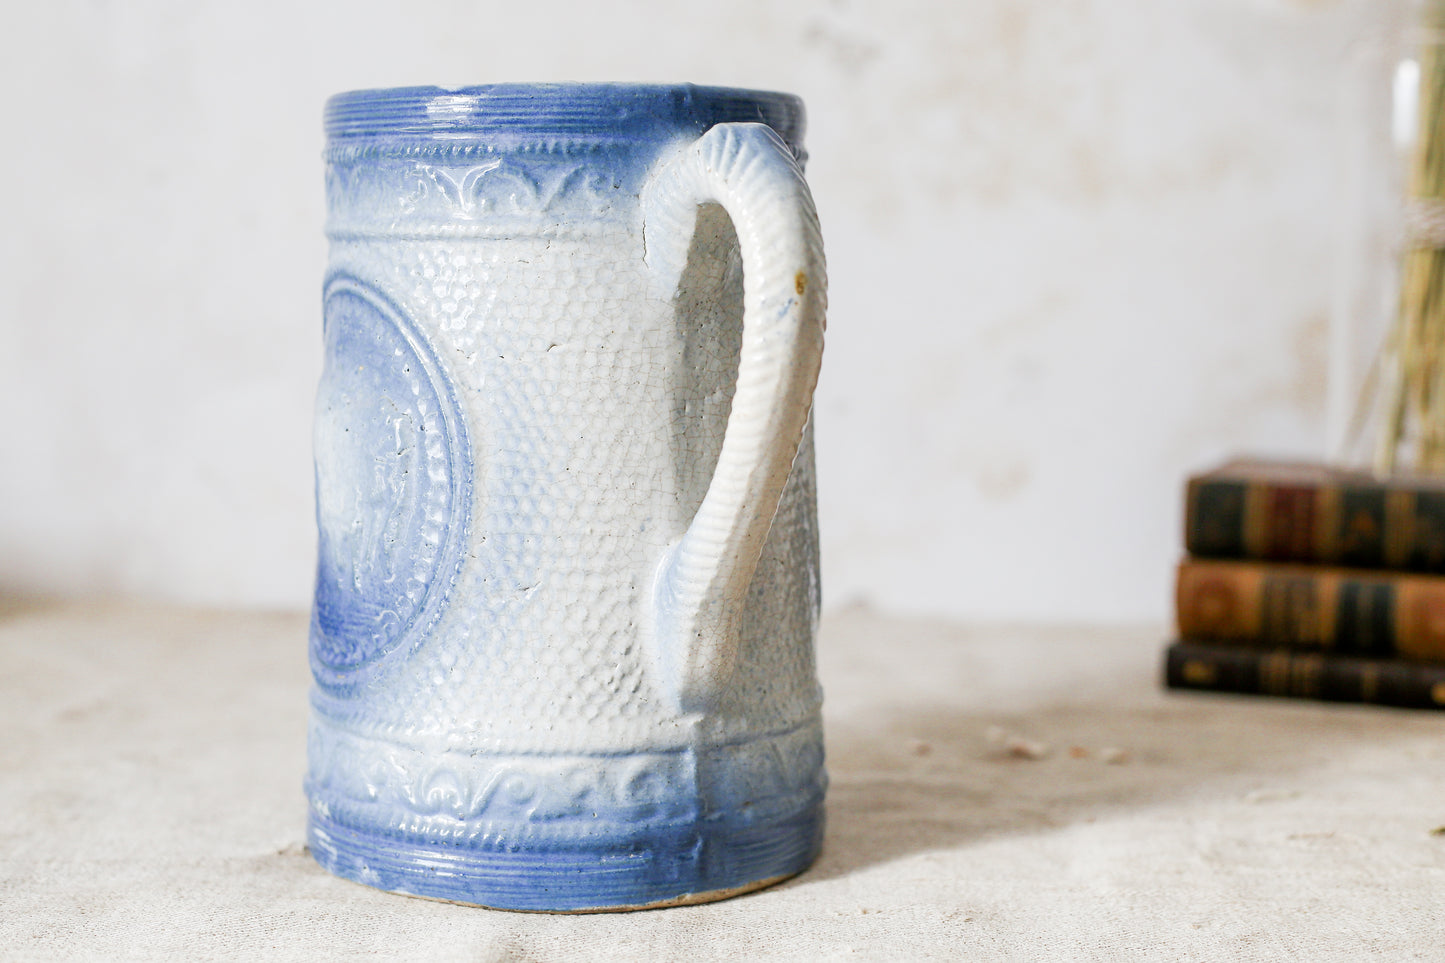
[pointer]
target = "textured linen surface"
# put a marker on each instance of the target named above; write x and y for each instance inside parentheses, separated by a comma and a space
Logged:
(151, 764)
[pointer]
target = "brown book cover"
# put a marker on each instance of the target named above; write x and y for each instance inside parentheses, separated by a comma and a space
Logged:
(1285, 511)
(1304, 675)
(1347, 611)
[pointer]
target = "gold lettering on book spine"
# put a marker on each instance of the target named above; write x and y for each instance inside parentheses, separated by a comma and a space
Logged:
(1305, 674)
(1327, 610)
(1399, 527)
(1199, 672)
(1209, 604)
(1369, 682)
(1274, 673)
(1291, 610)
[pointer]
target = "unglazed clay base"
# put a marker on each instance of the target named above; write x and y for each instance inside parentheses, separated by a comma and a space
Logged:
(692, 899)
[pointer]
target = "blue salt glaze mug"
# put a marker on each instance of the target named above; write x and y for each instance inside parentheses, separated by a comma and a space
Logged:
(567, 587)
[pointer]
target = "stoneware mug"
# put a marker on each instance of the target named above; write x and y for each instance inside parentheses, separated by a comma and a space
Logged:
(567, 586)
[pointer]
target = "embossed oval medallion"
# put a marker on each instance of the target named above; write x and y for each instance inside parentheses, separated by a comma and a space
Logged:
(393, 488)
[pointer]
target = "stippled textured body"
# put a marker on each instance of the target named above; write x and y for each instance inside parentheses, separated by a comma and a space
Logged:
(521, 417)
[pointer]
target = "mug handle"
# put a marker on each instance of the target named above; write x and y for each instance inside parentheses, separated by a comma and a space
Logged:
(702, 582)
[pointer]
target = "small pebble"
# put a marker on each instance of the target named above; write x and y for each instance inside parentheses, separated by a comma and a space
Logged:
(1022, 748)
(1015, 745)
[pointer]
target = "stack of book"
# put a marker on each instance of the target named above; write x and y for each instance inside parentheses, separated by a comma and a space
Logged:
(1312, 582)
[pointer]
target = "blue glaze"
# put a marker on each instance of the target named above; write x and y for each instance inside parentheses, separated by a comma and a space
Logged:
(661, 863)
(613, 112)
(393, 479)
(473, 231)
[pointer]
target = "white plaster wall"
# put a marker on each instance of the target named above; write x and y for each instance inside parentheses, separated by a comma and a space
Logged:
(1077, 250)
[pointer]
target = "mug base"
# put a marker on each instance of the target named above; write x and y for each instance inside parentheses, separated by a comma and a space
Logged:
(690, 899)
(671, 868)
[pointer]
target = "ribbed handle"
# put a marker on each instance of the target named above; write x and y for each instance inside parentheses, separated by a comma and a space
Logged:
(703, 580)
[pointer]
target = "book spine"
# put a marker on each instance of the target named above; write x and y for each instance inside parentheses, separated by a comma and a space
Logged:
(1298, 675)
(1345, 611)
(1354, 525)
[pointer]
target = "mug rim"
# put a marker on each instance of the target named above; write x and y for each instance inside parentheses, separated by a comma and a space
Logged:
(591, 110)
